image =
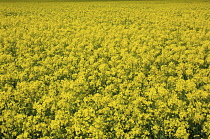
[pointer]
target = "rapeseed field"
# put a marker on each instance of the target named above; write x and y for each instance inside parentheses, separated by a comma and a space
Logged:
(105, 70)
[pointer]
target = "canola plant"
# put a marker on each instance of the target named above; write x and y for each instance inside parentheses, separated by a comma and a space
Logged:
(105, 70)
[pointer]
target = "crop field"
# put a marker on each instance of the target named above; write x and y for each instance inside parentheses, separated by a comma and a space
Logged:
(105, 70)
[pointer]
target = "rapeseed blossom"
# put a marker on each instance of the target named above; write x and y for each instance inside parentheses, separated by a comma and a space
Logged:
(104, 70)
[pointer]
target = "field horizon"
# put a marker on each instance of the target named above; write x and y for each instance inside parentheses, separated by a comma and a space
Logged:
(105, 1)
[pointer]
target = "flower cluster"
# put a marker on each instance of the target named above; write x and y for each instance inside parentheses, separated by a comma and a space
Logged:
(105, 70)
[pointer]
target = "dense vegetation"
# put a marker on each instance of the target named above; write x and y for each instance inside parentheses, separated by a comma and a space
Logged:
(169, 1)
(104, 70)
